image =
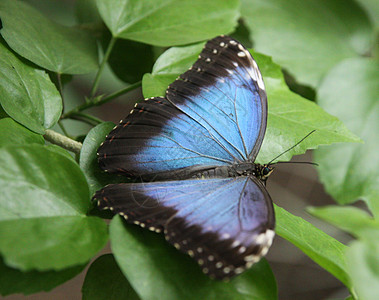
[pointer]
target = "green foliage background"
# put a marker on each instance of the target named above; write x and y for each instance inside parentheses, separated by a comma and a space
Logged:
(48, 230)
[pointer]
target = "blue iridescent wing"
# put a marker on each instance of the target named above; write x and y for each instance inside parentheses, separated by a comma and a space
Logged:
(214, 114)
(157, 138)
(225, 224)
(224, 92)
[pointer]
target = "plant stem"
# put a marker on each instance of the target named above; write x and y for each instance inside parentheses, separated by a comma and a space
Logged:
(60, 89)
(60, 124)
(375, 54)
(63, 141)
(102, 65)
(120, 92)
(102, 101)
(91, 120)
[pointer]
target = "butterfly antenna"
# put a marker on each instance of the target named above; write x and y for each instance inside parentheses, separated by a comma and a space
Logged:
(293, 147)
(297, 162)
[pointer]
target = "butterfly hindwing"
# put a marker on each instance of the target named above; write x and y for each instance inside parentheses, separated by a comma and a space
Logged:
(225, 224)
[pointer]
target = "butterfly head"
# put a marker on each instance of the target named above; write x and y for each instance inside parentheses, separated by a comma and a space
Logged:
(263, 171)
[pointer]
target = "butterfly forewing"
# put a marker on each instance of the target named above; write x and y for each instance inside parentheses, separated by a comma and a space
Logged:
(157, 138)
(215, 114)
(224, 92)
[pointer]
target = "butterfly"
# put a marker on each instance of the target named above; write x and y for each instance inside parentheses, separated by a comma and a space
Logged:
(194, 150)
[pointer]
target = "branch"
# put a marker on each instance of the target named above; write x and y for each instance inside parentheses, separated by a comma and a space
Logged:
(62, 141)
(102, 65)
(91, 120)
(100, 101)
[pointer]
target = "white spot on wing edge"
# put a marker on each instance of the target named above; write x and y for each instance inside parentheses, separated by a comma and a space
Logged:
(261, 239)
(242, 249)
(265, 238)
(257, 75)
(226, 236)
(252, 258)
(270, 233)
(264, 250)
(254, 70)
(270, 236)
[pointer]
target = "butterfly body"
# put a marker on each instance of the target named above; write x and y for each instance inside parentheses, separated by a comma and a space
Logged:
(238, 169)
(194, 150)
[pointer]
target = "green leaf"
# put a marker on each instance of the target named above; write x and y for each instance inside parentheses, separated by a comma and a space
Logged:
(362, 255)
(320, 247)
(96, 178)
(27, 94)
(372, 9)
(86, 11)
(104, 280)
(130, 60)
(169, 22)
(50, 45)
(12, 133)
(14, 281)
(242, 34)
(351, 171)
(308, 37)
(3, 114)
(363, 258)
(43, 222)
(168, 66)
(59, 150)
(156, 270)
(290, 117)
(351, 219)
(154, 85)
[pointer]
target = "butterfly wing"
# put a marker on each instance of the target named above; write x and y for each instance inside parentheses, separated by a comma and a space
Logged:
(224, 92)
(226, 224)
(157, 139)
(214, 114)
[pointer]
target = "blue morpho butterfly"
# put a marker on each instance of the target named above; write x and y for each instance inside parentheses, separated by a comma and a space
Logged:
(196, 149)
